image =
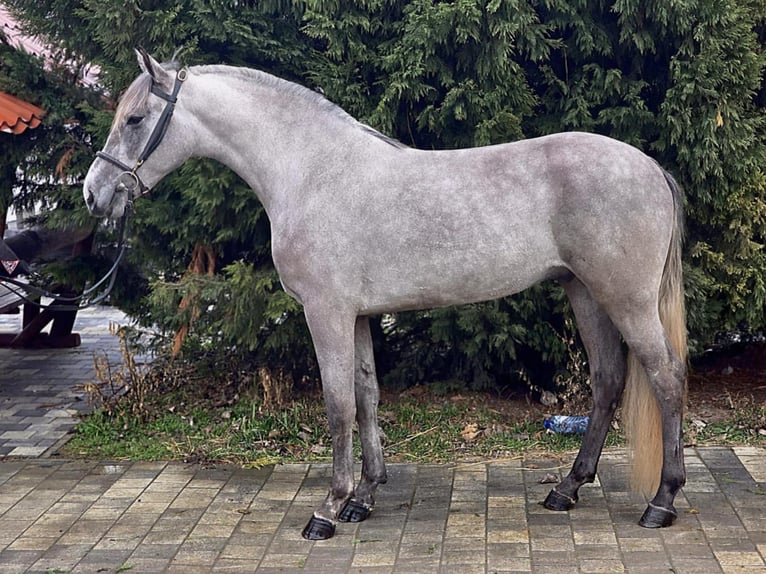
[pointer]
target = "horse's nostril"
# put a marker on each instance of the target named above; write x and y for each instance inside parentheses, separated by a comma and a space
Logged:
(90, 199)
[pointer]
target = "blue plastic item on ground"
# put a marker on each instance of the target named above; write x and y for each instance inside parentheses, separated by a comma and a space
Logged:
(566, 424)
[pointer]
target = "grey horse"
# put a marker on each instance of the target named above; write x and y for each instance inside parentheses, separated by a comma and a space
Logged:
(361, 225)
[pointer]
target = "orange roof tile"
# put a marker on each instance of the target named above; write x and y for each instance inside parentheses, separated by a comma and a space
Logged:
(17, 115)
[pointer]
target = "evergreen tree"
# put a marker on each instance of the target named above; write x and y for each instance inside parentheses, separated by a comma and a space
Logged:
(41, 166)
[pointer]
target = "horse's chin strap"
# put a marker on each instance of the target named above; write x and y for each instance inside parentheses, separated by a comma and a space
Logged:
(161, 127)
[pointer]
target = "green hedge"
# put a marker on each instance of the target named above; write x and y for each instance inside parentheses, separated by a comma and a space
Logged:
(681, 79)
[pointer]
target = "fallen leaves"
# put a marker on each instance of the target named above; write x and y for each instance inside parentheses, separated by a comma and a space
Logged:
(471, 432)
(549, 478)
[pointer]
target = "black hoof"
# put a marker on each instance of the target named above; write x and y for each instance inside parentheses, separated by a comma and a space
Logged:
(355, 511)
(318, 529)
(656, 517)
(557, 501)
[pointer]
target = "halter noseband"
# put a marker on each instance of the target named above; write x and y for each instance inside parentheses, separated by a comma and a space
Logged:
(154, 139)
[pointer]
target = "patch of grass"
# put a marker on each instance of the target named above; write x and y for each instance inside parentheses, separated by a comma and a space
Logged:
(239, 433)
(119, 437)
(437, 430)
(185, 413)
(415, 429)
(745, 426)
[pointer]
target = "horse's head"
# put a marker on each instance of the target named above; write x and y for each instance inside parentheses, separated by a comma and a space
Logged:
(143, 144)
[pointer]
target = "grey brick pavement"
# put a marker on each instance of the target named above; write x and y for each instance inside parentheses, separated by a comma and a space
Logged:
(40, 392)
(77, 516)
(86, 516)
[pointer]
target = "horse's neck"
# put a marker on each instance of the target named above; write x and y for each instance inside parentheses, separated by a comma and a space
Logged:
(270, 136)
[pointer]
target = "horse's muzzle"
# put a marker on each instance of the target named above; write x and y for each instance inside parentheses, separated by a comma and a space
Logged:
(113, 209)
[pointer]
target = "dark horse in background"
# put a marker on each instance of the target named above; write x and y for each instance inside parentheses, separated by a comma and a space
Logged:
(362, 225)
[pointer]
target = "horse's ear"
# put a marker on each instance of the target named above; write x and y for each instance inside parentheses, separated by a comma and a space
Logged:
(146, 62)
(153, 68)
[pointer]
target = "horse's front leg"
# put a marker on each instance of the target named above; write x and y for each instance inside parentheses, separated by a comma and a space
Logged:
(333, 336)
(360, 505)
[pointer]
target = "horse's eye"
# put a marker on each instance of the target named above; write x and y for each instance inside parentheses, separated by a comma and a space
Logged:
(134, 120)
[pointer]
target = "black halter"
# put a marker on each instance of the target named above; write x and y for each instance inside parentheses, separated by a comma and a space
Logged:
(134, 181)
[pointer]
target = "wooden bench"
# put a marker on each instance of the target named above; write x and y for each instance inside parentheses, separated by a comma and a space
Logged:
(34, 320)
(14, 300)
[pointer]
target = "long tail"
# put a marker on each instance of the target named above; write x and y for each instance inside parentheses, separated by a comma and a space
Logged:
(640, 412)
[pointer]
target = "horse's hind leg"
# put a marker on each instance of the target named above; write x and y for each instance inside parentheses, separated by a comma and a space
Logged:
(607, 371)
(367, 394)
(666, 377)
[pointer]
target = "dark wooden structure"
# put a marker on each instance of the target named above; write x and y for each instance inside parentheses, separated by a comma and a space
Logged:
(34, 320)
(14, 252)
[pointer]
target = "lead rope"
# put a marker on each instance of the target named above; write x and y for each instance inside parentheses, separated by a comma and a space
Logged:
(25, 291)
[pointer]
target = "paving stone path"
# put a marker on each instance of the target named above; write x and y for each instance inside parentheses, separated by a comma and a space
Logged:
(72, 516)
(41, 389)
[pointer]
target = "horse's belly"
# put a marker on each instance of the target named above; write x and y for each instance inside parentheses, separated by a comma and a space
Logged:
(450, 279)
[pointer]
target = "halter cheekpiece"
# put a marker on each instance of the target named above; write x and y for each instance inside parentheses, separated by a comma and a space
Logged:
(133, 180)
